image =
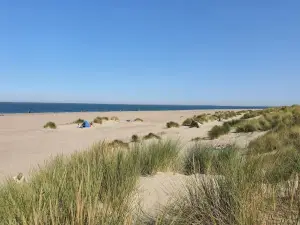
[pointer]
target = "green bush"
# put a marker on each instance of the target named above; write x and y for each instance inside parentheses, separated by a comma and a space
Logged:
(172, 124)
(50, 125)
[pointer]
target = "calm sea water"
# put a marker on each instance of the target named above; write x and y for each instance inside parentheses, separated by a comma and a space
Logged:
(14, 107)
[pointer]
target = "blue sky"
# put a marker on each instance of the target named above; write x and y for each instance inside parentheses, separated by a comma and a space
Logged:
(152, 51)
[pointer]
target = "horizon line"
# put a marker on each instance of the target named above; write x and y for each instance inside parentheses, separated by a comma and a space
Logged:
(151, 104)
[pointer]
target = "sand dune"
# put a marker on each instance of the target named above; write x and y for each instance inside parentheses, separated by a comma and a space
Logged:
(24, 143)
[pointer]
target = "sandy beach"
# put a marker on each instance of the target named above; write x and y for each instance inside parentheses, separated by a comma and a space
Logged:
(24, 143)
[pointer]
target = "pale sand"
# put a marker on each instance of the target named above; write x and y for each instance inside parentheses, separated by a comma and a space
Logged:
(24, 143)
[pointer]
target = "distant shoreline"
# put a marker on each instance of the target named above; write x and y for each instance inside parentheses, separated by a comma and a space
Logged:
(38, 108)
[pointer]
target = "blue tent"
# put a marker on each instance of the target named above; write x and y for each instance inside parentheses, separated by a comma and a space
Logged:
(86, 124)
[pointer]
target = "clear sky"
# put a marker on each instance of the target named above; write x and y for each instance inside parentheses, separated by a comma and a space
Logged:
(231, 52)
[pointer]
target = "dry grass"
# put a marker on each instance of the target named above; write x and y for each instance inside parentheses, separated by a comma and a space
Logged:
(138, 120)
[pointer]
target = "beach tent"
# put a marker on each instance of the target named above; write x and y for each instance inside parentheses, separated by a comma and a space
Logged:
(85, 124)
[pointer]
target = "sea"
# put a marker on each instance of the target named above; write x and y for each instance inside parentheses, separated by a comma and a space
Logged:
(29, 107)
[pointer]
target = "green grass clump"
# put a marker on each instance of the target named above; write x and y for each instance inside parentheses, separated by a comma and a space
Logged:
(115, 118)
(79, 121)
(276, 140)
(98, 120)
(157, 156)
(50, 125)
(233, 123)
(217, 131)
(172, 124)
(138, 120)
(247, 127)
(208, 160)
(251, 114)
(151, 136)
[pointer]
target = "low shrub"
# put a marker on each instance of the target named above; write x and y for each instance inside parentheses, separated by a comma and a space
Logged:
(138, 120)
(50, 125)
(172, 124)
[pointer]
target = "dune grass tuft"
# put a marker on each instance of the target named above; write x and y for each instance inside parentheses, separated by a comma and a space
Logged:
(115, 118)
(194, 124)
(50, 125)
(187, 122)
(98, 120)
(172, 124)
(135, 138)
(138, 120)
(79, 121)
(118, 144)
(151, 136)
(217, 131)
